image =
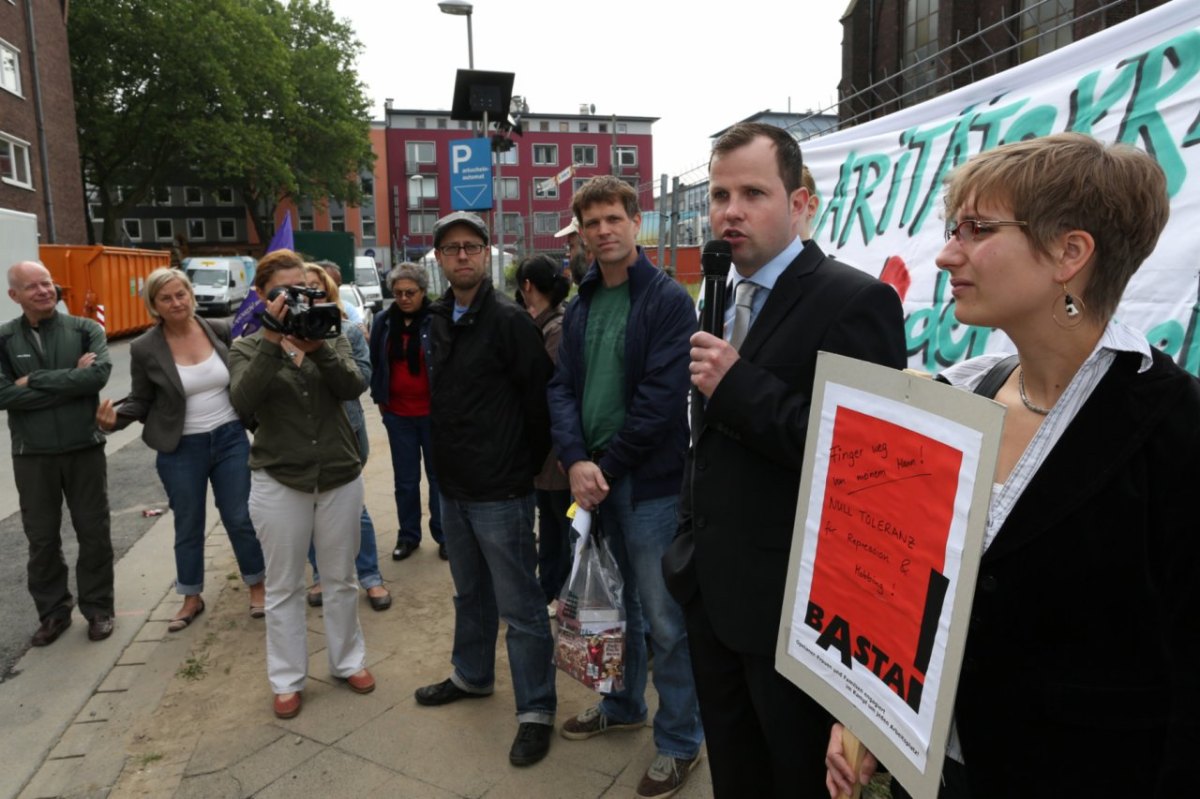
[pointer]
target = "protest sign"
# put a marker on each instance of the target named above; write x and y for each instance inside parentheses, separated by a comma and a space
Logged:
(889, 530)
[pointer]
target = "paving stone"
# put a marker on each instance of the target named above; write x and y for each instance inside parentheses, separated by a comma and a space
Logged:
(221, 749)
(332, 773)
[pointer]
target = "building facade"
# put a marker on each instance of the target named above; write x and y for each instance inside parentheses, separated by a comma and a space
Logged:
(533, 206)
(897, 53)
(39, 147)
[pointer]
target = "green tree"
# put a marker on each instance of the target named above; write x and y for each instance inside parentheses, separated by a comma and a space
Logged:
(252, 94)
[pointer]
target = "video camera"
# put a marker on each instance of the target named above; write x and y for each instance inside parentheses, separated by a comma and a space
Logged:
(304, 320)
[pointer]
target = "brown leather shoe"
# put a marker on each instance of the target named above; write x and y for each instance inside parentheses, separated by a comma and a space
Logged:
(50, 629)
(361, 683)
(100, 627)
(287, 706)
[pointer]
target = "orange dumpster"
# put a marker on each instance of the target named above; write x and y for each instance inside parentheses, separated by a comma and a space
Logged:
(104, 283)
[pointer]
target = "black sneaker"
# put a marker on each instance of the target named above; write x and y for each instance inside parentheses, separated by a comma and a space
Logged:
(531, 744)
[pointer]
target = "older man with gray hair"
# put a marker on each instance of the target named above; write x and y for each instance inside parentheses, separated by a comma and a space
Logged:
(52, 367)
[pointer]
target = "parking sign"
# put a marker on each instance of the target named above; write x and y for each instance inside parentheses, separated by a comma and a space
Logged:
(470, 175)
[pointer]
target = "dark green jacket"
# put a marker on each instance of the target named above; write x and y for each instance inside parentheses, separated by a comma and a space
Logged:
(55, 411)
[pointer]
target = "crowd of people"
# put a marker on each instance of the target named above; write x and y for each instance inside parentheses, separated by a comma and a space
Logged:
(518, 408)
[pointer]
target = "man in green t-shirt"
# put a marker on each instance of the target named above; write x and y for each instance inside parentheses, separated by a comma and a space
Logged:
(618, 409)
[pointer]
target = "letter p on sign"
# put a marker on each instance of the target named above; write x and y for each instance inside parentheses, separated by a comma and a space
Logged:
(459, 155)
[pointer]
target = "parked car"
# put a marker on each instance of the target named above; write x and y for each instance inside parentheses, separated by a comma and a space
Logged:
(366, 278)
(221, 283)
(353, 298)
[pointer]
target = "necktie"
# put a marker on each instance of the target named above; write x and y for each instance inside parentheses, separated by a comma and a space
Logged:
(743, 298)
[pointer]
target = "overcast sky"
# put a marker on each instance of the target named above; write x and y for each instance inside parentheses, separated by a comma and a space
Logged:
(698, 68)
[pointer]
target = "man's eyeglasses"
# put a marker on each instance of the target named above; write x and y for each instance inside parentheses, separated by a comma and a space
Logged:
(453, 249)
(967, 230)
(407, 294)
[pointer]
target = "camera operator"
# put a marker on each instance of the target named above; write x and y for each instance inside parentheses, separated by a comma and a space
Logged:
(306, 483)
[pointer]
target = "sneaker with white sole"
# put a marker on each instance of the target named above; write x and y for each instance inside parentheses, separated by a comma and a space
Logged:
(592, 722)
(665, 776)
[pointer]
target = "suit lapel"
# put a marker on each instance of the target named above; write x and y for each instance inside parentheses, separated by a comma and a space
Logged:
(160, 351)
(1086, 456)
(781, 300)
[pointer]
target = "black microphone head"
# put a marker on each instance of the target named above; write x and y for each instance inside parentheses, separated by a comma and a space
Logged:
(716, 257)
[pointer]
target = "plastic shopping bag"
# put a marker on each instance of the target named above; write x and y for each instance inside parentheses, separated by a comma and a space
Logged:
(591, 614)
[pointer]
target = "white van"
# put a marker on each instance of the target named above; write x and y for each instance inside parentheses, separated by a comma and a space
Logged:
(366, 278)
(220, 282)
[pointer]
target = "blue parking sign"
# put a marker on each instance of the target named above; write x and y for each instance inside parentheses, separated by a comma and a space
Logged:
(470, 175)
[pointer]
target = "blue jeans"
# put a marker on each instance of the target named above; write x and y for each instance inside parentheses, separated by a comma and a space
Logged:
(366, 562)
(554, 544)
(222, 457)
(492, 561)
(410, 439)
(638, 536)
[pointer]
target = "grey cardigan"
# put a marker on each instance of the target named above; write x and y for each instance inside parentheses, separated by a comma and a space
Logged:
(156, 398)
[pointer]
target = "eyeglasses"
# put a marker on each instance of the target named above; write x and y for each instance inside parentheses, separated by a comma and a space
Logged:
(967, 230)
(454, 249)
(407, 294)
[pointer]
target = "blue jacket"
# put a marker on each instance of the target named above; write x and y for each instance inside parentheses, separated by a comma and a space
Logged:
(651, 444)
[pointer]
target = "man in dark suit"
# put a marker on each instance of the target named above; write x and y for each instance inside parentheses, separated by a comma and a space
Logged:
(765, 737)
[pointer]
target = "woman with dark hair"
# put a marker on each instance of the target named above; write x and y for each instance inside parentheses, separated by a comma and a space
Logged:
(1071, 687)
(305, 483)
(543, 285)
(400, 387)
(180, 394)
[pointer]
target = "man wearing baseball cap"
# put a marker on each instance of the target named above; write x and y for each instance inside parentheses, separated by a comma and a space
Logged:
(578, 256)
(491, 434)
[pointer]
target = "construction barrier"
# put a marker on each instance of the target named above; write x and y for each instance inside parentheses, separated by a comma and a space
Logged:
(104, 283)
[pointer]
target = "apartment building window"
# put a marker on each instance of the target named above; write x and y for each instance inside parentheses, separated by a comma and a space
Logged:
(513, 226)
(583, 155)
(622, 127)
(583, 127)
(1046, 25)
(227, 229)
(420, 122)
(421, 223)
(544, 127)
(160, 195)
(441, 123)
(577, 183)
(545, 154)
(10, 68)
(545, 224)
(163, 230)
(192, 195)
(337, 221)
(462, 124)
(625, 155)
(305, 220)
(920, 42)
(421, 188)
(419, 152)
(508, 157)
(225, 196)
(368, 228)
(545, 189)
(368, 186)
(133, 228)
(603, 127)
(506, 188)
(195, 230)
(14, 162)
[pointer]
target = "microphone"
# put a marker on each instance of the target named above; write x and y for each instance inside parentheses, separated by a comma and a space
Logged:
(715, 259)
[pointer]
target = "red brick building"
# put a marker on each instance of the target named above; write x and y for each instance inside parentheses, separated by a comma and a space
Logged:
(418, 172)
(39, 149)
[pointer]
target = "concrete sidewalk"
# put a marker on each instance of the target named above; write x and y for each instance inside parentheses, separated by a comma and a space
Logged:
(150, 713)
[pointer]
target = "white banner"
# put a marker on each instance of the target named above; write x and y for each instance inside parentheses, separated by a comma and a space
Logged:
(881, 182)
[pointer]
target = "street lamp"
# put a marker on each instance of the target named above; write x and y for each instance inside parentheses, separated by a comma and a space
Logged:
(461, 8)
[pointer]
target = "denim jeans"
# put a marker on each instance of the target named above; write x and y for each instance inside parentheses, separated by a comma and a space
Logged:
(554, 547)
(222, 457)
(410, 440)
(638, 536)
(366, 562)
(492, 561)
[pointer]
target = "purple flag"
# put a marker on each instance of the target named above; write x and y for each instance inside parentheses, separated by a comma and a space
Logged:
(282, 239)
(246, 320)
